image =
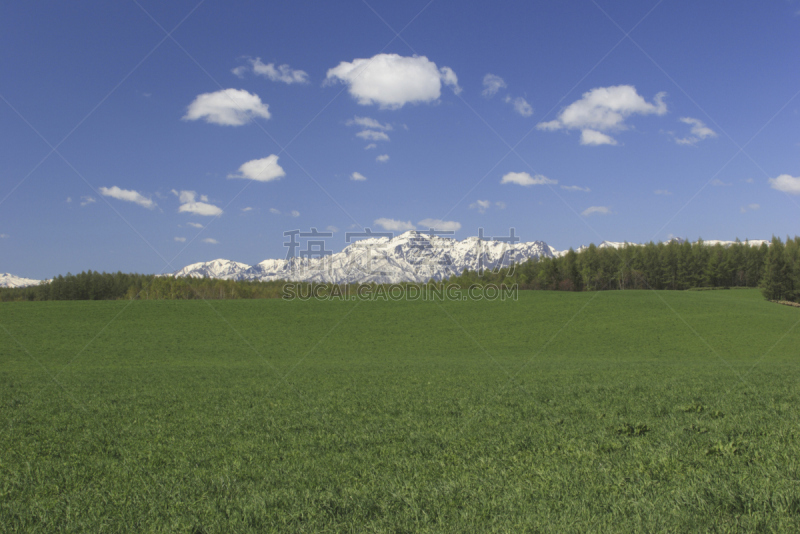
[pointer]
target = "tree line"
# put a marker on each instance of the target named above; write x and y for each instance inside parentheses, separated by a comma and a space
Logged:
(775, 268)
(673, 265)
(92, 285)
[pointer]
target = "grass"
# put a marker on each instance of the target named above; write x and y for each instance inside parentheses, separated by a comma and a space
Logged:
(564, 412)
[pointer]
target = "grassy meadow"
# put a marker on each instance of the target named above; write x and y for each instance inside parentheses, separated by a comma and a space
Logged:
(628, 411)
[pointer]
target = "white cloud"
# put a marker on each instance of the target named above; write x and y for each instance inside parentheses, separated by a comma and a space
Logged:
(500, 204)
(593, 137)
(211, 241)
(283, 73)
(248, 208)
(576, 188)
(662, 192)
(604, 109)
(523, 178)
(599, 210)
(261, 170)
(275, 211)
(370, 123)
(370, 146)
(392, 81)
(698, 132)
(438, 224)
(521, 106)
(180, 239)
(127, 196)
(4, 236)
(332, 229)
(295, 213)
(749, 181)
(372, 135)
(189, 204)
(786, 183)
(69, 200)
(449, 78)
(357, 177)
(491, 84)
(749, 207)
(383, 158)
(85, 201)
(229, 107)
(394, 226)
(481, 205)
(719, 183)
(195, 225)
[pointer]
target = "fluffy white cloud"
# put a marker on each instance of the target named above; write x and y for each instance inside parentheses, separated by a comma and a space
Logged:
(596, 210)
(523, 178)
(369, 123)
(370, 146)
(127, 196)
(261, 170)
(438, 224)
(491, 84)
(4, 236)
(211, 241)
(481, 205)
(662, 192)
(604, 109)
(275, 211)
(357, 177)
(283, 73)
(332, 229)
(593, 137)
(575, 188)
(295, 213)
(393, 225)
(698, 132)
(500, 204)
(520, 105)
(372, 135)
(786, 183)
(190, 204)
(85, 201)
(195, 225)
(229, 107)
(248, 208)
(180, 239)
(392, 81)
(383, 158)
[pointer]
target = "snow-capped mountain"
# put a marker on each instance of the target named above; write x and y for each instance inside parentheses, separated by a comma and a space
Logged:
(9, 280)
(410, 257)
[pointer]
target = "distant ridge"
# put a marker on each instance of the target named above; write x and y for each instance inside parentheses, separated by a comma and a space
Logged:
(410, 257)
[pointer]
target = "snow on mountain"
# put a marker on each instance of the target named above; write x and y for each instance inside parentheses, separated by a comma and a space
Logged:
(410, 257)
(9, 280)
(751, 242)
(224, 269)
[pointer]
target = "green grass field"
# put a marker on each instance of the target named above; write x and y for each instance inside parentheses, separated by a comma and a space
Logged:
(564, 412)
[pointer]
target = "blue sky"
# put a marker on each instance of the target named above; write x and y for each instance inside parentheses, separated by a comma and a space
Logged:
(144, 136)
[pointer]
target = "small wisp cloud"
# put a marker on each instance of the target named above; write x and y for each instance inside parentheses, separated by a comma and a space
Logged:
(127, 195)
(282, 73)
(523, 178)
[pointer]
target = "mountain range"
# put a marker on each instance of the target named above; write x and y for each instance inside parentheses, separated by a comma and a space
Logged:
(410, 257)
